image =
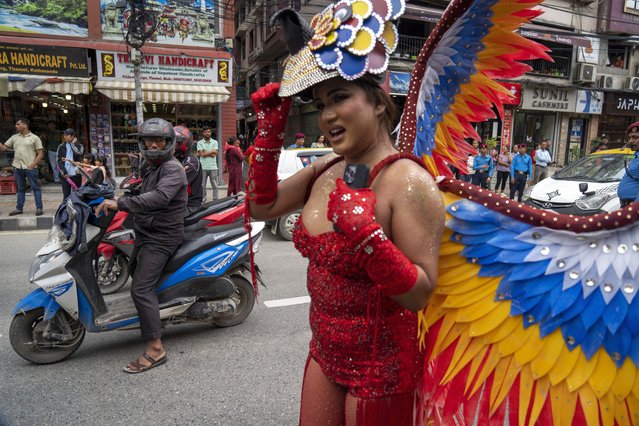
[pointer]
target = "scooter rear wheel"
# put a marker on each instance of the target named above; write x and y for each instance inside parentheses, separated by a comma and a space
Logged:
(244, 297)
(25, 334)
(112, 280)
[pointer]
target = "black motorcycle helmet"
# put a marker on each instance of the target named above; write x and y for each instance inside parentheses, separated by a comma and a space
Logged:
(156, 128)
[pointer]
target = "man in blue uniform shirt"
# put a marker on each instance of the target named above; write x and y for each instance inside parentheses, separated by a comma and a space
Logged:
(628, 190)
(483, 167)
(520, 172)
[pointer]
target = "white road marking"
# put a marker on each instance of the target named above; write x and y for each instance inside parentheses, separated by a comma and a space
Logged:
(33, 231)
(287, 302)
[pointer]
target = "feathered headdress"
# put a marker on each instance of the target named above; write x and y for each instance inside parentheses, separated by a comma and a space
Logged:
(348, 39)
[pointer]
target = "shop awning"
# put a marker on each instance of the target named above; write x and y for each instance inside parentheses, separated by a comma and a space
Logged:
(42, 83)
(158, 92)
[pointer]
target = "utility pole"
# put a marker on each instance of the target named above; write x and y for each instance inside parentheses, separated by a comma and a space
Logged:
(136, 59)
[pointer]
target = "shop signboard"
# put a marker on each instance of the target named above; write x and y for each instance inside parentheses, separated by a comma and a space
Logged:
(515, 90)
(399, 83)
(549, 99)
(507, 126)
(116, 66)
(50, 17)
(182, 23)
(621, 104)
(43, 60)
(589, 102)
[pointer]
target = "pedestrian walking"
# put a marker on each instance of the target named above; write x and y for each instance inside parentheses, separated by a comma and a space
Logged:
(28, 151)
(520, 172)
(51, 142)
(542, 161)
(503, 169)
(207, 149)
(234, 160)
(69, 152)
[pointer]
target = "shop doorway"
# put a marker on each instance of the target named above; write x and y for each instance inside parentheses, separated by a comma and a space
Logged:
(532, 127)
(576, 139)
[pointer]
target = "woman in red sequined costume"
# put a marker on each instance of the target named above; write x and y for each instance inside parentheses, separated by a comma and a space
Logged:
(372, 252)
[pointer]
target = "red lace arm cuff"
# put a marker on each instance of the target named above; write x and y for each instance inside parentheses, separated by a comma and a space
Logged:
(391, 271)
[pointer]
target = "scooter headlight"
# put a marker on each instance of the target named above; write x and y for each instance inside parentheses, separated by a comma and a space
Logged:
(594, 202)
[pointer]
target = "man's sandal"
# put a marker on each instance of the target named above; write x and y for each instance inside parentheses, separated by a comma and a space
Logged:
(135, 367)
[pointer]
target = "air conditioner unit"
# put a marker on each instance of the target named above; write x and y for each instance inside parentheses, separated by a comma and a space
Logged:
(632, 83)
(585, 73)
(605, 82)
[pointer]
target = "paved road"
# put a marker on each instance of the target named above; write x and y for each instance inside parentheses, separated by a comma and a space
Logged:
(245, 375)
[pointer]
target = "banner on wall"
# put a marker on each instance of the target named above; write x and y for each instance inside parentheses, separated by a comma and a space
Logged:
(165, 69)
(183, 23)
(399, 83)
(50, 17)
(515, 90)
(507, 126)
(549, 99)
(43, 60)
(589, 102)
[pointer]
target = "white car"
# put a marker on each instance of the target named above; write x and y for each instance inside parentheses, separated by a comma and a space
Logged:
(292, 161)
(585, 187)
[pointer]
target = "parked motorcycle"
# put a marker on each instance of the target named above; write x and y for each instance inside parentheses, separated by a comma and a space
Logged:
(205, 281)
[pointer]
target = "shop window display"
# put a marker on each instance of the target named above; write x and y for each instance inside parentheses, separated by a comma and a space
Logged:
(124, 126)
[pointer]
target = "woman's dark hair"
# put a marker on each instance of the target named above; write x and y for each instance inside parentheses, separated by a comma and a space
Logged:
(378, 96)
(318, 137)
(91, 157)
(102, 159)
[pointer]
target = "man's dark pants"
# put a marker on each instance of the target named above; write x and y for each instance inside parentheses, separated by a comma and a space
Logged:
(480, 179)
(149, 261)
(520, 184)
(21, 176)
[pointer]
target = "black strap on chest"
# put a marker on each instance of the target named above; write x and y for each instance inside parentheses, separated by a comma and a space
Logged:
(376, 170)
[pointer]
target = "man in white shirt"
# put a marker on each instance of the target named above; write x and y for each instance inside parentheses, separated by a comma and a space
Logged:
(207, 151)
(542, 161)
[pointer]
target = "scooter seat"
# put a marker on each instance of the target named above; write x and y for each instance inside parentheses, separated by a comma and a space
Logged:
(210, 208)
(201, 240)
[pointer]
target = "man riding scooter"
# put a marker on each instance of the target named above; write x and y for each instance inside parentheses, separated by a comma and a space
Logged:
(159, 212)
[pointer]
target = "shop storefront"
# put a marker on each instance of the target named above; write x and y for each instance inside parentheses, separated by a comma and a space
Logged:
(182, 90)
(43, 84)
(620, 110)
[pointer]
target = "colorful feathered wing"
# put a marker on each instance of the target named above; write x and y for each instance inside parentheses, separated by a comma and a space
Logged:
(452, 84)
(535, 314)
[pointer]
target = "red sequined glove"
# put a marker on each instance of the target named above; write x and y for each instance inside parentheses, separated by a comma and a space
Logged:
(272, 114)
(353, 213)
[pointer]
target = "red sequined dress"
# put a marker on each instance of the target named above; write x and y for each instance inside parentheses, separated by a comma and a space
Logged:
(362, 340)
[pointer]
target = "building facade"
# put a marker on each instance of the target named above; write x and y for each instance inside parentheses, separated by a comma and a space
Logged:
(75, 70)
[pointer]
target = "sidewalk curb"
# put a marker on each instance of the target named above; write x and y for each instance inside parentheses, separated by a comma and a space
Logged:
(26, 223)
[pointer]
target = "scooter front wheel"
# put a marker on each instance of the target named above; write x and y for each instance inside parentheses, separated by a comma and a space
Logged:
(42, 342)
(244, 298)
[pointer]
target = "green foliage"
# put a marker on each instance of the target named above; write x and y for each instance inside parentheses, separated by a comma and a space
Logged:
(492, 142)
(69, 11)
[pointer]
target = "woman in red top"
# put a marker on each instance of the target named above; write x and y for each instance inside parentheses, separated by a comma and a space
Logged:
(234, 159)
(372, 252)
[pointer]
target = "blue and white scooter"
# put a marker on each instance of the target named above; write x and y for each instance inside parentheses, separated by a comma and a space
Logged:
(206, 280)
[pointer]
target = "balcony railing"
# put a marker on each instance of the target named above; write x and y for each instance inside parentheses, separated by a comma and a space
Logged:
(408, 47)
(560, 68)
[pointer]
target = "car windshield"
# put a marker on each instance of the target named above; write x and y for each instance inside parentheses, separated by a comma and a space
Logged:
(595, 168)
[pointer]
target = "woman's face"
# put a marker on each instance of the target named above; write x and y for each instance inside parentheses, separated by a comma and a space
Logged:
(348, 119)
(320, 139)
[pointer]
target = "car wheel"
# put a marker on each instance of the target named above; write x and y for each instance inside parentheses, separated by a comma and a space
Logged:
(286, 223)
